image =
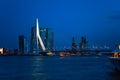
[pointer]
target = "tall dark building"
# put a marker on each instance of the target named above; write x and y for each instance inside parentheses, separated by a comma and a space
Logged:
(74, 45)
(23, 47)
(83, 43)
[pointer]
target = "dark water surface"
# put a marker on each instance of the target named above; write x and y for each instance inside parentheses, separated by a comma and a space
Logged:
(56, 68)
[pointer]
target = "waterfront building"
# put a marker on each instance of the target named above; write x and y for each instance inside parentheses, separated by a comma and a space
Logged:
(83, 43)
(1, 50)
(33, 40)
(47, 37)
(23, 44)
(4, 51)
(74, 45)
(42, 39)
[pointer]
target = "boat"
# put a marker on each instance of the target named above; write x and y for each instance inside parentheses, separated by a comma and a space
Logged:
(115, 60)
(61, 54)
(50, 54)
(64, 54)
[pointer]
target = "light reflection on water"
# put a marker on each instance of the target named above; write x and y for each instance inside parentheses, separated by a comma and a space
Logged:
(56, 68)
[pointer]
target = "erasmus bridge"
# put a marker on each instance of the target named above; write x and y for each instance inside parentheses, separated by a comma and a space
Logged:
(38, 40)
(42, 39)
(39, 43)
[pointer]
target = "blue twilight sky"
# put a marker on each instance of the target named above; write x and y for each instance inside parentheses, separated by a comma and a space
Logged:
(98, 20)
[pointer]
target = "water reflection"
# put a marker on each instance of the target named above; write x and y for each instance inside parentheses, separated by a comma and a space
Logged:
(114, 75)
(56, 68)
(37, 68)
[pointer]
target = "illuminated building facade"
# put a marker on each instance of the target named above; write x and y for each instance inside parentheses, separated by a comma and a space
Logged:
(1, 50)
(4, 51)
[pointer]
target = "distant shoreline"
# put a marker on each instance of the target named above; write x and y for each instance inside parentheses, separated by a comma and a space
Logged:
(84, 54)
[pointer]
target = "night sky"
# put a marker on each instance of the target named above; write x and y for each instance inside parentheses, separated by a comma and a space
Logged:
(98, 20)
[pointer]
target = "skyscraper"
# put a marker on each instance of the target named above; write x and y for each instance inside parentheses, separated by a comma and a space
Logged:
(23, 44)
(33, 40)
(47, 37)
(74, 45)
(83, 43)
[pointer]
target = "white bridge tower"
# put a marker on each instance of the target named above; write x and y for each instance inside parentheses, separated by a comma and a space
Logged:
(39, 39)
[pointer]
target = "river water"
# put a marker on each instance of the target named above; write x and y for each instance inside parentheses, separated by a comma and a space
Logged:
(56, 68)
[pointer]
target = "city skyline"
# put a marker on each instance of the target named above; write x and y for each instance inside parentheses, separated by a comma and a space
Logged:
(99, 21)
